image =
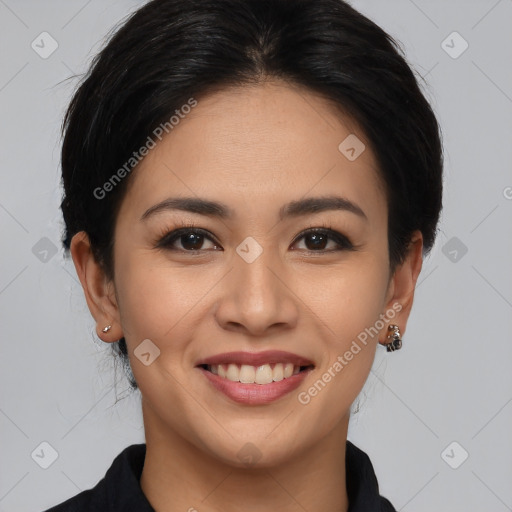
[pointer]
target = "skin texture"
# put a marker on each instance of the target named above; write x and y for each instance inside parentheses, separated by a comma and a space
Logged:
(253, 148)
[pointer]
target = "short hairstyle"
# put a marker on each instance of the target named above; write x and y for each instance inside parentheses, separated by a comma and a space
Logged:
(171, 50)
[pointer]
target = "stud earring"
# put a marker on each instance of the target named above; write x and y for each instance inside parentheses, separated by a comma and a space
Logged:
(395, 342)
(107, 328)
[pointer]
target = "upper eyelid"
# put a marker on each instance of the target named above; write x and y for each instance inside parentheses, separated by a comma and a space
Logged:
(331, 232)
(176, 233)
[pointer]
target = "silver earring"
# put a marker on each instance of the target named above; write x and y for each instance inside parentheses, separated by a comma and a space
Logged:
(107, 328)
(395, 342)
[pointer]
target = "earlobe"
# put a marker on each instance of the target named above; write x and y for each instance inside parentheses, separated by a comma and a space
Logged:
(403, 284)
(97, 289)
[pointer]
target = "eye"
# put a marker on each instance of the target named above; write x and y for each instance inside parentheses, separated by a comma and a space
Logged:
(317, 239)
(191, 240)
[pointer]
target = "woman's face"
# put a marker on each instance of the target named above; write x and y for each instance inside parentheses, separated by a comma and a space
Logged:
(251, 280)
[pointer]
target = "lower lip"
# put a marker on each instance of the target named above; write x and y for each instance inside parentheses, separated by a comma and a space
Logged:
(255, 394)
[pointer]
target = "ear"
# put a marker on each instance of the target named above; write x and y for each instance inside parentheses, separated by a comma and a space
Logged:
(402, 285)
(98, 289)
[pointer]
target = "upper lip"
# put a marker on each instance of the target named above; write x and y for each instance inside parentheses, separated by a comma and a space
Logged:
(256, 358)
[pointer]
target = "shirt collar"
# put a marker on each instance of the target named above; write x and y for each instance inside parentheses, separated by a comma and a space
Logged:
(121, 485)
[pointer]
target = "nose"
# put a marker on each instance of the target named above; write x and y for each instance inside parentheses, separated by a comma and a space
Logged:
(257, 299)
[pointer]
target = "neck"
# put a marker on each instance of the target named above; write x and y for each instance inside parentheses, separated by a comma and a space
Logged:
(179, 476)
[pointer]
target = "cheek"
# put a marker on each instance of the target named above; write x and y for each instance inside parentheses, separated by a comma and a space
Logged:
(164, 302)
(329, 396)
(153, 298)
(155, 303)
(347, 307)
(346, 298)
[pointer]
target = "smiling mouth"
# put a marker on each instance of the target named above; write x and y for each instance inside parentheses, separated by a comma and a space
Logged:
(262, 374)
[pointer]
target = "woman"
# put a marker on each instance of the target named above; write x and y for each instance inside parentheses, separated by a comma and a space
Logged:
(250, 188)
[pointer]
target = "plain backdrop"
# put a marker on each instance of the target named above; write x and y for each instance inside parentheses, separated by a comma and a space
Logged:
(435, 417)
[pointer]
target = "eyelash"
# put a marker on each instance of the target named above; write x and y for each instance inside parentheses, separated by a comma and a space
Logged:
(167, 238)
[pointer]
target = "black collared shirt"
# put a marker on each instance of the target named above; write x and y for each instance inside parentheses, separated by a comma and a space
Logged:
(120, 489)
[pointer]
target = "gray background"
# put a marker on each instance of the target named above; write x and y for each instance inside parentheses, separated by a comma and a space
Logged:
(451, 382)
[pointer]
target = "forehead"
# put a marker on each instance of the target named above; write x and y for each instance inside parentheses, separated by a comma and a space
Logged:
(266, 143)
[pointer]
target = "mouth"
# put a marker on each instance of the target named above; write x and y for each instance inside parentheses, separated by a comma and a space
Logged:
(261, 374)
(255, 378)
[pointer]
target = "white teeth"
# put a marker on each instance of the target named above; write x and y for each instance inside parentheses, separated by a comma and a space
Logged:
(278, 374)
(233, 372)
(247, 374)
(263, 374)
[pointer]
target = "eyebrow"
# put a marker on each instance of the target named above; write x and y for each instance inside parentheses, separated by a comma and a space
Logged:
(222, 211)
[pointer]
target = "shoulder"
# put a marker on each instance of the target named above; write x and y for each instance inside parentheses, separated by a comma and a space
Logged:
(118, 490)
(78, 503)
(362, 485)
